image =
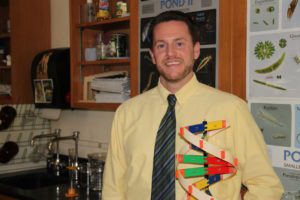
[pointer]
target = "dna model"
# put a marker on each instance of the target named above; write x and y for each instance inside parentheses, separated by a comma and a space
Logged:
(215, 164)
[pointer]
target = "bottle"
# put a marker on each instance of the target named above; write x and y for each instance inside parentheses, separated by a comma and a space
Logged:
(2, 57)
(90, 9)
(100, 48)
(103, 10)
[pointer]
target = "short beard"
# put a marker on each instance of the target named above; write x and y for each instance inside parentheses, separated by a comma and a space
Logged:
(178, 78)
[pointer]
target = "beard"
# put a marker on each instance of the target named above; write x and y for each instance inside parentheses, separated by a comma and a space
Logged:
(180, 75)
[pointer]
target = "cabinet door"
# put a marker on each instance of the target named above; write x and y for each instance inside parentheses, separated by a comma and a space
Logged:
(5, 68)
(29, 34)
(84, 61)
(4, 197)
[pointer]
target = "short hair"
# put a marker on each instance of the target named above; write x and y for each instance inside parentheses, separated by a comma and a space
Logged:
(173, 16)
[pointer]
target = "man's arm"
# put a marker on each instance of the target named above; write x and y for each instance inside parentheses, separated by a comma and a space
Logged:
(115, 165)
(257, 172)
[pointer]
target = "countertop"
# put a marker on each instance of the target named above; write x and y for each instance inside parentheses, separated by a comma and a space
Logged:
(53, 192)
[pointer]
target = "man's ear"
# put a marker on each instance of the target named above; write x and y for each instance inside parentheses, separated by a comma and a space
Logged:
(196, 50)
(152, 57)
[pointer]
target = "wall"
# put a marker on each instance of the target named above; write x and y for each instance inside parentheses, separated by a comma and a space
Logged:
(94, 126)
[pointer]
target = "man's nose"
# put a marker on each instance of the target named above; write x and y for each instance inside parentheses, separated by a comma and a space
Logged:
(170, 51)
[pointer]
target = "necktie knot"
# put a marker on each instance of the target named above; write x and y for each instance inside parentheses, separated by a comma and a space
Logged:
(172, 100)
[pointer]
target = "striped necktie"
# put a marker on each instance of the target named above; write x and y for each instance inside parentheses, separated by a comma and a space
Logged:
(163, 177)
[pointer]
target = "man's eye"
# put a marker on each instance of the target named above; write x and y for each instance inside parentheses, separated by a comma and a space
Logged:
(179, 44)
(160, 46)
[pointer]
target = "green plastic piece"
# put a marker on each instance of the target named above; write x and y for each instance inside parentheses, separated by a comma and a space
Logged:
(195, 159)
(193, 172)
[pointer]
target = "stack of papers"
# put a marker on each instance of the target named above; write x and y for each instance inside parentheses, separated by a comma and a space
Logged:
(5, 89)
(111, 90)
(108, 87)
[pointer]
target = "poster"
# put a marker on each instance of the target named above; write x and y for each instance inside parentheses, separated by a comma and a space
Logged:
(264, 15)
(205, 14)
(273, 84)
(290, 14)
(274, 121)
(281, 133)
(274, 65)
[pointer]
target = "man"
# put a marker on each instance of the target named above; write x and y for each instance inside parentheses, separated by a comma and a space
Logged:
(129, 165)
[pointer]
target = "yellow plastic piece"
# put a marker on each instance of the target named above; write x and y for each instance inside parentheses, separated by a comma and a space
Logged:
(215, 125)
(201, 184)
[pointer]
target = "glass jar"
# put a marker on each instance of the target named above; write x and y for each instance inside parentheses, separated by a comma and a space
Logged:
(96, 161)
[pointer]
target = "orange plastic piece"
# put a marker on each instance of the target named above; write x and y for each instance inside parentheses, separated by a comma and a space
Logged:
(201, 144)
(222, 154)
(182, 131)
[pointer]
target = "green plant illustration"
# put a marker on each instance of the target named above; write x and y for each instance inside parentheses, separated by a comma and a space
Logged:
(271, 67)
(282, 42)
(271, 9)
(269, 85)
(264, 50)
(297, 59)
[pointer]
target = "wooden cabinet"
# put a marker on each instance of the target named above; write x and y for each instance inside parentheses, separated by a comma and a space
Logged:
(85, 33)
(27, 34)
(4, 197)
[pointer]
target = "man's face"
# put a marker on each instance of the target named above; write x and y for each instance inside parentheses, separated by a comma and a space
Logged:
(173, 52)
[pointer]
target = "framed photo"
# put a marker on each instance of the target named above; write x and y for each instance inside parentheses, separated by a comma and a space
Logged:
(43, 90)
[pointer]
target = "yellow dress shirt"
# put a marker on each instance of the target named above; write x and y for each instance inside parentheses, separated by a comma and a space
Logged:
(128, 168)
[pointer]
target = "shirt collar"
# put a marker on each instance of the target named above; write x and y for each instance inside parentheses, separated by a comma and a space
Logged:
(185, 92)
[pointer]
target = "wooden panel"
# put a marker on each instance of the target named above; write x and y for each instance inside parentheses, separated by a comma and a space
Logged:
(134, 48)
(4, 197)
(232, 47)
(30, 34)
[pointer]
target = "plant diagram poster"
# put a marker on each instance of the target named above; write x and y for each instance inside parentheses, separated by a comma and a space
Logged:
(290, 14)
(274, 65)
(205, 14)
(297, 127)
(273, 84)
(264, 15)
(274, 121)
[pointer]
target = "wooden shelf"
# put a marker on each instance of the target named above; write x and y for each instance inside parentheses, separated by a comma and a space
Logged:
(5, 99)
(107, 62)
(108, 22)
(81, 36)
(5, 67)
(4, 35)
(96, 106)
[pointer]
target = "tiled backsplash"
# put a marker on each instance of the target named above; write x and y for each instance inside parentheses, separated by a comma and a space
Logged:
(26, 125)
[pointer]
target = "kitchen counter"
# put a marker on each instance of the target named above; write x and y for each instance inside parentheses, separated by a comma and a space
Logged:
(52, 192)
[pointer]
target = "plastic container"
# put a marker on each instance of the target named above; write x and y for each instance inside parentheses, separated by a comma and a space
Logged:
(103, 10)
